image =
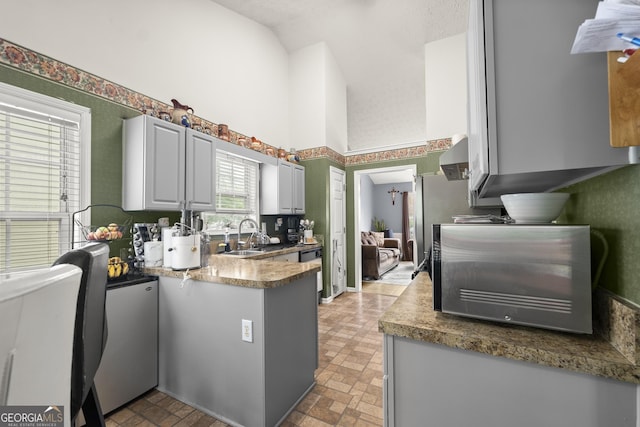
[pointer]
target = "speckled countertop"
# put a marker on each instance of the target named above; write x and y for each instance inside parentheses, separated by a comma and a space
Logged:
(255, 271)
(612, 352)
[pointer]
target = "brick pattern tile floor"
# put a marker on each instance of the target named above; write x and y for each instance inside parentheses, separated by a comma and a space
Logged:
(349, 377)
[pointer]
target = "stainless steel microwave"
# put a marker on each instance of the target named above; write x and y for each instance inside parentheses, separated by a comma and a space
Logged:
(535, 275)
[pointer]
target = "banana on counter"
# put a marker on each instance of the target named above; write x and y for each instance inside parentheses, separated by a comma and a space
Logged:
(117, 267)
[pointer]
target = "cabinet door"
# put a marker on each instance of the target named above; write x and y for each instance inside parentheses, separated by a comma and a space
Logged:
(477, 105)
(164, 159)
(285, 187)
(546, 118)
(200, 172)
(298, 189)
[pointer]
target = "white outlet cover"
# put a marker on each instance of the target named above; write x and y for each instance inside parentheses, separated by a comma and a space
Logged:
(247, 330)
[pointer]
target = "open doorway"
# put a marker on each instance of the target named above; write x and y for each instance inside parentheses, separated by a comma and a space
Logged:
(378, 197)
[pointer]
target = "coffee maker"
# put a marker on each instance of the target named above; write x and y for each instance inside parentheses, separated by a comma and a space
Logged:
(293, 232)
(143, 233)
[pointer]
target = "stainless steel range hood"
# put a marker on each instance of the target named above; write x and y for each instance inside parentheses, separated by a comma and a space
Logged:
(455, 162)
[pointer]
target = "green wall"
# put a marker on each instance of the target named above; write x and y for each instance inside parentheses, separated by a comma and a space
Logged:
(106, 147)
(610, 203)
(317, 206)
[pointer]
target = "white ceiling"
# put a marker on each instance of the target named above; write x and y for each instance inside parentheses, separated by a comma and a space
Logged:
(379, 47)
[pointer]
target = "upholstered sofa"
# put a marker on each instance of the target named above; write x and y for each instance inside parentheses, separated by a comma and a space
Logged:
(379, 254)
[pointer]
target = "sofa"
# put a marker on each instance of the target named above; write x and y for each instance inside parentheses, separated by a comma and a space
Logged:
(379, 254)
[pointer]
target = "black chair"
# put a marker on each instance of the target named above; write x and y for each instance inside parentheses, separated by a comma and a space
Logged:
(90, 335)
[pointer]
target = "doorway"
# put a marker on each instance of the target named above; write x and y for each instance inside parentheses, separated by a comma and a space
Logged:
(338, 208)
(388, 176)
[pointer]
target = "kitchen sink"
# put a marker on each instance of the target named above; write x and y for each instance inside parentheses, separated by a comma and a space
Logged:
(276, 247)
(245, 252)
(259, 250)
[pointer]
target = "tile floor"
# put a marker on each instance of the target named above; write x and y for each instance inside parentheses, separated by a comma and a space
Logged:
(349, 377)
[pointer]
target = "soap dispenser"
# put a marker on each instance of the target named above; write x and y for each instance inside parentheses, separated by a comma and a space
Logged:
(227, 246)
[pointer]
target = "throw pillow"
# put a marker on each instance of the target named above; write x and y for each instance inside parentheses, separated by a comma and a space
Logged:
(366, 238)
(379, 236)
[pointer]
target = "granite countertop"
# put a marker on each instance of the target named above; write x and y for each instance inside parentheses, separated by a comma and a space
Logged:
(610, 353)
(251, 271)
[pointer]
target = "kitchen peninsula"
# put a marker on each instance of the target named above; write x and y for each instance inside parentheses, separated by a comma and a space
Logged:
(457, 371)
(238, 339)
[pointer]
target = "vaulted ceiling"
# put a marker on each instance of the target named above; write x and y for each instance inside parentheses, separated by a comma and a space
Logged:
(379, 47)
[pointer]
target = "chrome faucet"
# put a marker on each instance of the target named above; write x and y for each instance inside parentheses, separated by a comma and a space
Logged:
(255, 225)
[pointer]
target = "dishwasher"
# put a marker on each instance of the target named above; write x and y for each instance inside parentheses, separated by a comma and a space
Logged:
(313, 255)
(129, 365)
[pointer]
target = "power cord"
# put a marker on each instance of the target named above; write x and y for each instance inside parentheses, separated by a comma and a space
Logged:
(185, 277)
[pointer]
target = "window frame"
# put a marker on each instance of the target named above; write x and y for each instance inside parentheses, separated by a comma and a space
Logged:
(47, 105)
(233, 229)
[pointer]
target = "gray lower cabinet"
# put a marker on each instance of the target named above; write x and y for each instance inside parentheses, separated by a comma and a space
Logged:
(204, 361)
(129, 365)
(432, 384)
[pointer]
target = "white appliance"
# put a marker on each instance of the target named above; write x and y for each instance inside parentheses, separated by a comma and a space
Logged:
(167, 250)
(185, 252)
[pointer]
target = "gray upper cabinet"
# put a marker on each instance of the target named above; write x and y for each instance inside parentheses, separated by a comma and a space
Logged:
(538, 116)
(167, 166)
(282, 189)
(298, 189)
(200, 172)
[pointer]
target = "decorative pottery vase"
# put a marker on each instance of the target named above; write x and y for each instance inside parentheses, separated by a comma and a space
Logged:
(308, 236)
(180, 113)
(256, 144)
(223, 132)
(292, 157)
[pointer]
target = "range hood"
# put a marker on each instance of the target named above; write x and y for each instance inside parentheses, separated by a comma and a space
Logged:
(455, 162)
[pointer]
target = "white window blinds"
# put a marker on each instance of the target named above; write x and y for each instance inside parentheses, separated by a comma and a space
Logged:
(236, 184)
(236, 192)
(40, 178)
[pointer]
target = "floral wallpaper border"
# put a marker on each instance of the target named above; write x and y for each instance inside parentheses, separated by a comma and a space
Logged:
(41, 65)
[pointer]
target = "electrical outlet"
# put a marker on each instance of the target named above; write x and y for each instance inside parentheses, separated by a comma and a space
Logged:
(247, 330)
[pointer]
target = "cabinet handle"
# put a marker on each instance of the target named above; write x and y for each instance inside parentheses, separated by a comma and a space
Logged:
(148, 288)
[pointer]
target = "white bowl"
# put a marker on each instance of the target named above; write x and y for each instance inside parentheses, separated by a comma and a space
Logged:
(534, 208)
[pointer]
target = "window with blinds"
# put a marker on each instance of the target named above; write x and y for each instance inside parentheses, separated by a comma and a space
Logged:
(41, 176)
(236, 193)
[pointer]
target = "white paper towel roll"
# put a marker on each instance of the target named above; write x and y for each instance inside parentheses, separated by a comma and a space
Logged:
(167, 233)
(153, 254)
